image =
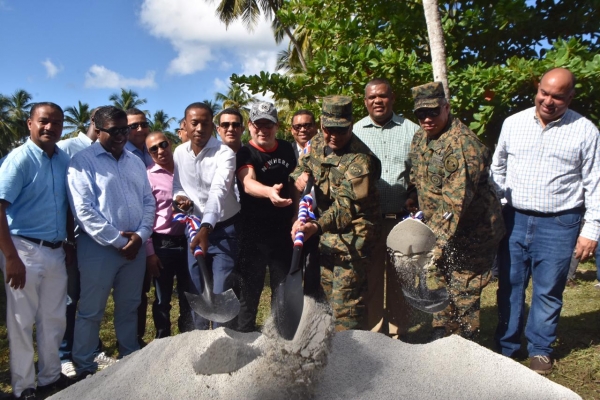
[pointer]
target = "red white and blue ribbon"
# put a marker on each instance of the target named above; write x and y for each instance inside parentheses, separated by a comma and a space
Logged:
(193, 225)
(305, 211)
(416, 215)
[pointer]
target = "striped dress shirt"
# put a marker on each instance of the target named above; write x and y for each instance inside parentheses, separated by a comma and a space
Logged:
(550, 169)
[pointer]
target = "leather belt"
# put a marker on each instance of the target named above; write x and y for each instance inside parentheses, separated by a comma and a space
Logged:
(394, 216)
(45, 243)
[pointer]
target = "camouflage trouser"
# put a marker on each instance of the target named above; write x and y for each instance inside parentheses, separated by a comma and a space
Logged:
(464, 274)
(344, 282)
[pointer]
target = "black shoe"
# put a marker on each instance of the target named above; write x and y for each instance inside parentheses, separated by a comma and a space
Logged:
(27, 394)
(142, 343)
(437, 333)
(61, 383)
(83, 375)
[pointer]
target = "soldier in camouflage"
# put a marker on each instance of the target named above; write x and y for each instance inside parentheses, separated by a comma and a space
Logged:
(345, 172)
(449, 182)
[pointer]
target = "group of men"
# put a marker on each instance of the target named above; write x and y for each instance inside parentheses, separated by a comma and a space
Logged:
(102, 205)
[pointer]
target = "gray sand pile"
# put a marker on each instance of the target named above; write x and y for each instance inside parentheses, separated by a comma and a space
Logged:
(223, 364)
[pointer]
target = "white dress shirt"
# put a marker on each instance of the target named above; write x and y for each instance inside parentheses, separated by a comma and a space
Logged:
(207, 180)
(550, 169)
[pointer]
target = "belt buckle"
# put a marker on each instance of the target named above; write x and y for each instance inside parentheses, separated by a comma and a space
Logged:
(391, 216)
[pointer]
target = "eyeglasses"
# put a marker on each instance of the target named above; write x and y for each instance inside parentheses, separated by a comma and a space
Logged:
(135, 126)
(115, 131)
(336, 130)
(423, 113)
(263, 125)
(226, 125)
(298, 127)
(163, 145)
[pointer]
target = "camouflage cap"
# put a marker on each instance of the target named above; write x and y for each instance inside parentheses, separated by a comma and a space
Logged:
(429, 95)
(263, 110)
(337, 111)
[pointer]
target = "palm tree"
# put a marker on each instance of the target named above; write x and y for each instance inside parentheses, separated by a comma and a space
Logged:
(126, 100)
(436, 43)
(249, 11)
(77, 119)
(161, 121)
(8, 135)
(236, 97)
(214, 106)
(19, 104)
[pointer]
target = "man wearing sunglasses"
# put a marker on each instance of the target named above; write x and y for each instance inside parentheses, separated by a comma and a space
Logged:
(346, 173)
(166, 251)
(113, 205)
(231, 128)
(303, 129)
(388, 135)
(449, 182)
(262, 167)
(139, 130)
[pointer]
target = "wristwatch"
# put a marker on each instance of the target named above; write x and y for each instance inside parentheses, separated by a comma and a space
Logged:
(207, 226)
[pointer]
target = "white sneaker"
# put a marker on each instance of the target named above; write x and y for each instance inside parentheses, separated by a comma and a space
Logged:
(104, 361)
(68, 369)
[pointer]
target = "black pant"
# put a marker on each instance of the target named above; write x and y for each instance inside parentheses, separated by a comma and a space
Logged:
(261, 248)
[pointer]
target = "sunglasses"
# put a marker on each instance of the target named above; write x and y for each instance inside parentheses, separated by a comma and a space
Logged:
(163, 145)
(423, 113)
(336, 130)
(115, 131)
(226, 125)
(139, 124)
(263, 125)
(297, 127)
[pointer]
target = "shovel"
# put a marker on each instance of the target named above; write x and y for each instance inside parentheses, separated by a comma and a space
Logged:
(414, 240)
(222, 307)
(290, 293)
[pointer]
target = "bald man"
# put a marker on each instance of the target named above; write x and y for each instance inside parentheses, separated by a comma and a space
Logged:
(546, 166)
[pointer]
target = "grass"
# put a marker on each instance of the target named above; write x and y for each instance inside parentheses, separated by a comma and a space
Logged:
(577, 349)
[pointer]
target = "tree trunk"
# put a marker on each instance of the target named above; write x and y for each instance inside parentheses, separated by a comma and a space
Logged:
(290, 34)
(436, 43)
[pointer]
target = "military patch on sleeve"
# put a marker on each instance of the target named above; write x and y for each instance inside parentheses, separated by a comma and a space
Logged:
(355, 170)
(451, 163)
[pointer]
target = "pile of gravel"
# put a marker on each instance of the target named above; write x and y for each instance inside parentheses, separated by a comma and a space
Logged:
(223, 364)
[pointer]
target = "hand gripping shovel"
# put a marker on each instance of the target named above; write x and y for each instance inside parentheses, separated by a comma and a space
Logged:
(290, 293)
(412, 241)
(220, 307)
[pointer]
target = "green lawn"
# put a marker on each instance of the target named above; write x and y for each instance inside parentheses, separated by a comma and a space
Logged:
(577, 347)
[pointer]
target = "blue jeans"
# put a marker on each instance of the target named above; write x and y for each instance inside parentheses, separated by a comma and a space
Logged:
(220, 259)
(173, 257)
(540, 247)
(102, 268)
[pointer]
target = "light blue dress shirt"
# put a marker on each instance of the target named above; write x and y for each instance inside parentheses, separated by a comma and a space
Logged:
(142, 155)
(110, 196)
(34, 185)
(75, 145)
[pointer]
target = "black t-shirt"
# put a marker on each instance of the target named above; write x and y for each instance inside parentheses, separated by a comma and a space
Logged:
(271, 168)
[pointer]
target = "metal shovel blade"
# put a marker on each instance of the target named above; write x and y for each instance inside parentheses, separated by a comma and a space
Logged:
(414, 239)
(223, 308)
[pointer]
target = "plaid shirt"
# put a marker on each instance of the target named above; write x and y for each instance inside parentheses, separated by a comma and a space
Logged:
(550, 169)
(391, 144)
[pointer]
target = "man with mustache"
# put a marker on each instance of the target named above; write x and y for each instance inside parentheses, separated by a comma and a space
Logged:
(547, 167)
(33, 225)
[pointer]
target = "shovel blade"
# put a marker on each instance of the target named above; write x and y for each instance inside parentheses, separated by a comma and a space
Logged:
(223, 308)
(290, 304)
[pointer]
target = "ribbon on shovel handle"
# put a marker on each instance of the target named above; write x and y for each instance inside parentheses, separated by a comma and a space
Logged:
(193, 224)
(305, 211)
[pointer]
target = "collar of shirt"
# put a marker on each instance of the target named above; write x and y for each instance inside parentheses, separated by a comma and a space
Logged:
(212, 142)
(85, 139)
(143, 154)
(396, 119)
(99, 150)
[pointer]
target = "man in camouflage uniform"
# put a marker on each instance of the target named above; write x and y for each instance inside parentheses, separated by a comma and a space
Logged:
(449, 179)
(345, 172)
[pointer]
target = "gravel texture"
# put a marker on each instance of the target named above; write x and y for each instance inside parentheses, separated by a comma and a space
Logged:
(223, 364)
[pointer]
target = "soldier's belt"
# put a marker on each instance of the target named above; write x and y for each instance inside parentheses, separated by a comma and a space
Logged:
(394, 216)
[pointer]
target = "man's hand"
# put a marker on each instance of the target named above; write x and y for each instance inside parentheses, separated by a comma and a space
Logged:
(131, 249)
(276, 199)
(309, 228)
(153, 266)
(411, 204)
(15, 273)
(201, 239)
(183, 203)
(585, 248)
(301, 182)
